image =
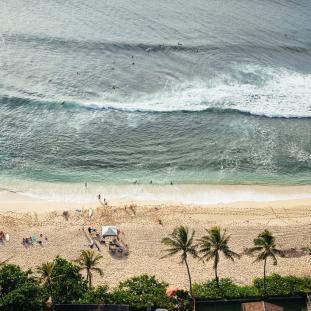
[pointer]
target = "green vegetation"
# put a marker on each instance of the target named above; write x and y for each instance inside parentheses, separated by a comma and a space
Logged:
(19, 290)
(98, 295)
(276, 285)
(142, 291)
(67, 285)
(210, 290)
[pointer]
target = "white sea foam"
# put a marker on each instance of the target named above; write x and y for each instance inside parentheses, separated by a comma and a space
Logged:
(253, 89)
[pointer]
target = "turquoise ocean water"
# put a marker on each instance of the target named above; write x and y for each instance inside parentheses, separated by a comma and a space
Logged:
(113, 92)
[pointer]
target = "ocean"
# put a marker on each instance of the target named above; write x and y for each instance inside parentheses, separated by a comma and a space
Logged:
(128, 92)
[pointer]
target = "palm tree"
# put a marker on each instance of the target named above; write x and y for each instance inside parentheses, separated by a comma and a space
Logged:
(88, 260)
(46, 275)
(265, 247)
(181, 241)
(213, 245)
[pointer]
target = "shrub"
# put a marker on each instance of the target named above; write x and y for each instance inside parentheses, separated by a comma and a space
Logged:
(98, 295)
(19, 290)
(142, 291)
(276, 286)
(68, 285)
(284, 285)
(248, 291)
(227, 289)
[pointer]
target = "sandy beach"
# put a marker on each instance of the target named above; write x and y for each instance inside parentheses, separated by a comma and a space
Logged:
(145, 224)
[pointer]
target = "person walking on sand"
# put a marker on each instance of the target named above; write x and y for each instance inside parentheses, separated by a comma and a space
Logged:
(99, 197)
(90, 214)
(85, 185)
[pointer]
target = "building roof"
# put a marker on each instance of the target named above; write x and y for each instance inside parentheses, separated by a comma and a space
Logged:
(260, 306)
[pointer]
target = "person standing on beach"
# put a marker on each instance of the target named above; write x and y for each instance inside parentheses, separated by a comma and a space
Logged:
(99, 197)
(85, 185)
(90, 214)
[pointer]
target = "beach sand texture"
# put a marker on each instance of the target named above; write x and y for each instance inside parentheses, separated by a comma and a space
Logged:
(144, 225)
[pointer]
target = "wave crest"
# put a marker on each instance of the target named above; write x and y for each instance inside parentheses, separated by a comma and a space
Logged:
(274, 94)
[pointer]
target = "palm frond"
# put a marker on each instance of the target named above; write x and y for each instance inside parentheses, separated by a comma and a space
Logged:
(98, 270)
(180, 241)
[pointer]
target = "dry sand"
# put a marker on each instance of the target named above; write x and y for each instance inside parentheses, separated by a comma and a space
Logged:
(290, 221)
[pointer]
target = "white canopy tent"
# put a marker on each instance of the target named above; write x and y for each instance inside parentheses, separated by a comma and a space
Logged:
(109, 231)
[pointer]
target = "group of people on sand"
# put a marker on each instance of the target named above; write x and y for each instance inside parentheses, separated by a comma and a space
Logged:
(26, 242)
(115, 246)
(151, 182)
(118, 248)
(99, 197)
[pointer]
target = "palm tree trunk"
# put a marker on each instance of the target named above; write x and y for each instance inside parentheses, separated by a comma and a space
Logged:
(216, 276)
(264, 277)
(189, 276)
(190, 284)
(89, 277)
(90, 280)
(50, 290)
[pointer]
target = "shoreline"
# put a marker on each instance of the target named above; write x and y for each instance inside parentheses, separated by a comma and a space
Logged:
(187, 194)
